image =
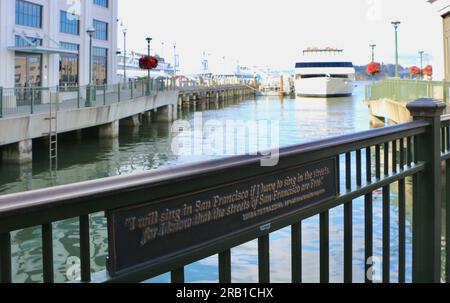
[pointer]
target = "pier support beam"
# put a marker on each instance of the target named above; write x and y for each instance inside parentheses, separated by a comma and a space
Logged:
(131, 121)
(18, 153)
(109, 131)
(166, 114)
(149, 116)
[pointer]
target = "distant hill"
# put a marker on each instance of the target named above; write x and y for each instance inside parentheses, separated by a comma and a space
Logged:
(387, 71)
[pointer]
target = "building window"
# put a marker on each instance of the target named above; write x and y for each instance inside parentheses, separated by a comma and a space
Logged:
(28, 14)
(69, 23)
(20, 41)
(100, 65)
(69, 65)
(101, 30)
(104, 3)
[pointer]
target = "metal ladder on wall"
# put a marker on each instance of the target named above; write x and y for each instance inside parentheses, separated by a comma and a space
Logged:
(53, 135)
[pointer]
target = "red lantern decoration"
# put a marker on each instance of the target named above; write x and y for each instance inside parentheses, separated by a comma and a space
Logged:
(373, 68)
(414, 71)
(428, 71)
(148, 62)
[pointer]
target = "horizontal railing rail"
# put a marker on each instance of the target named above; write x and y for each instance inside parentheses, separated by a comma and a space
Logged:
(341, 170)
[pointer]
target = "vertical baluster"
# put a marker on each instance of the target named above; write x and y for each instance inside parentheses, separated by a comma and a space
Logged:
(85, 254)
(104, 94)
(448, 138)
(78, 97)
(348, 223)
(324, 248)
(358, 168)
(443, 139)
(368, 209)
(409, 149)
(5, 258)
(264, 259)
(47, 252)
(296, 247)
(394, 156)
(338, 173)
(401, 219)
(386, 219)
(225, 266)
(177, 276)
(402, 154)
(378, 162)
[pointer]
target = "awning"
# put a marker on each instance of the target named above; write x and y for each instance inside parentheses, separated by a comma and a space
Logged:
(42, 50)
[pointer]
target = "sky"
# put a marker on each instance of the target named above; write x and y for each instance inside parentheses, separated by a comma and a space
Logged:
(274, 32)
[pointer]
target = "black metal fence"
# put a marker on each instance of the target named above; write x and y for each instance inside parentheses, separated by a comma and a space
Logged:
(372, 160)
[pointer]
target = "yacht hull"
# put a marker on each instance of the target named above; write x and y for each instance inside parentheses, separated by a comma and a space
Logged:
(324, 87)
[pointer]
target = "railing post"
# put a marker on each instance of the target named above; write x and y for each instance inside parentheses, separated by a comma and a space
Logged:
(132, 90)
(427, 204)
(78, 97)
(104, 94)
(1, 102)
(32, 101)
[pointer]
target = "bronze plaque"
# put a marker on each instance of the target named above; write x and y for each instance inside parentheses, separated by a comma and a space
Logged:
(151, 233)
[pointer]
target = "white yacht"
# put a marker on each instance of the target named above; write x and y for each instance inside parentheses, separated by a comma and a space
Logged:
(324, 73)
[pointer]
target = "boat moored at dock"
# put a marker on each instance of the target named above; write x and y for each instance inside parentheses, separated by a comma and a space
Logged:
(324, 73)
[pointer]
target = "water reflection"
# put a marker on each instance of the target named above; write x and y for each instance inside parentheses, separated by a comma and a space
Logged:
(84, 157)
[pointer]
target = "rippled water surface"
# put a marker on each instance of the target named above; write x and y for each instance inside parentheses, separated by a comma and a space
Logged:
(148, 147)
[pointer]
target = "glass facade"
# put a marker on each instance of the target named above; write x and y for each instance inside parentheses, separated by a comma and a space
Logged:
(69, 65)
(100, 65)
(101, 30)
(28, 14)
(19, 41)
(69, 23)
(104, 3)
(31, 13)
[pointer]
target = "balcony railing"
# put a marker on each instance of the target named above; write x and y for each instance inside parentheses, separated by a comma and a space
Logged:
(341, 170)
(407, 90)
(33, 100)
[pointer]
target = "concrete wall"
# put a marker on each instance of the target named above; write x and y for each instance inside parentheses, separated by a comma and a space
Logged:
(395, 112)
(16, 129)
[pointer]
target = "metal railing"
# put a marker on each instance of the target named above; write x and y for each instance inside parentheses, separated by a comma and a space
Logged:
(364, 162)
(407, 90)
(32, 100)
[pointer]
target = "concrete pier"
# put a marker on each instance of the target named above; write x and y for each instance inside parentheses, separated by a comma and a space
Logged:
(18, 153)
(132, 121)
(109, 131)
(166, 114)
(17, 132)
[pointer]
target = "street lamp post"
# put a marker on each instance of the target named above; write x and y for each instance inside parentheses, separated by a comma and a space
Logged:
(175, 59)
(396, 25)
(124, 58)
(421, 64)
(90, 91)
(149, 40)
(372, 46)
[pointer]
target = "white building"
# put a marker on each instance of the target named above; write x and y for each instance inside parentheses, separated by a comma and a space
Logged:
(443, 7)
(44, 42)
